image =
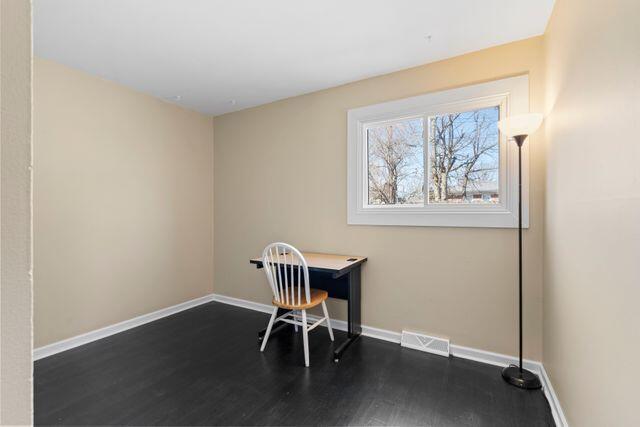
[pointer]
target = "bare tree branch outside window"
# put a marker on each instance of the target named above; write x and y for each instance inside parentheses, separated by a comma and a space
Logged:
(463, 159)
(396, 166)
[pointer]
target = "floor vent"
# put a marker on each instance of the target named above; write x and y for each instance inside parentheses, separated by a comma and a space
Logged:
(426, 343)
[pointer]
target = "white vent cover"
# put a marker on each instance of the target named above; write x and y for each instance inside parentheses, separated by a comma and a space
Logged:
(426, 343)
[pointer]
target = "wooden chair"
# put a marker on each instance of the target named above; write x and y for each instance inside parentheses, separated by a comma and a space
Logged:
(288, 276)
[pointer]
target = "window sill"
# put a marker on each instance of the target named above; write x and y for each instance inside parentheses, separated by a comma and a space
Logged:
(446, 218)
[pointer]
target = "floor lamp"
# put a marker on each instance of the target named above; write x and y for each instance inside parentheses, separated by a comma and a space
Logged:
(519, 127)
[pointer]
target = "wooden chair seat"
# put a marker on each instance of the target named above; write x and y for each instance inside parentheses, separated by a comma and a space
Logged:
(316, 297)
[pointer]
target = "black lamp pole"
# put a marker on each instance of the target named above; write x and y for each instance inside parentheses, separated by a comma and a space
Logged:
(517, 375)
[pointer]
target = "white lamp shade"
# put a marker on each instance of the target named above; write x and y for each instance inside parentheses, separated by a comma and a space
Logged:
(522, 124)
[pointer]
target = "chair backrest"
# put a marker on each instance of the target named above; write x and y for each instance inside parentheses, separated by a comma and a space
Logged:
(287, 273)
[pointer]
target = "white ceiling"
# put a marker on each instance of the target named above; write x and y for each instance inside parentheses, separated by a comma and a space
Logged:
(217, 56)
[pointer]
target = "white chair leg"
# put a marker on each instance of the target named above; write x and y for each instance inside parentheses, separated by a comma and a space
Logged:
(268, 331)
(326, 316)
(295, 326)
(305, 337)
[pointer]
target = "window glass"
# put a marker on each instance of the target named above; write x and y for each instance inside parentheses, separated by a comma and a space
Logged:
(464, 159)
(395, 153)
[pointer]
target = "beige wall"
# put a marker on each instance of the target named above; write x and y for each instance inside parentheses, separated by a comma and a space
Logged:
(123, 203)
(15, 212)
(281, 175)
(592, 238)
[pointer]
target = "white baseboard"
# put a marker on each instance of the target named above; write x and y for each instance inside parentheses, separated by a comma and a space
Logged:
(554, 403)
(369, 331)
(78, 340)
(340, 325)
(242, 303)
(475, 354)
(492, 358)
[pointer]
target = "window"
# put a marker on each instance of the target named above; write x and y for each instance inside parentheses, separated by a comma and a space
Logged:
(437, 159)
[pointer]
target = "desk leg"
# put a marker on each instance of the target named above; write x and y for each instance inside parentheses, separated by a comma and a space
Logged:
(275, 329)
(354, 309)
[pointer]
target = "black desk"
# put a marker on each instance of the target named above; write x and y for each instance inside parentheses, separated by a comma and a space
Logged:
(339, 275)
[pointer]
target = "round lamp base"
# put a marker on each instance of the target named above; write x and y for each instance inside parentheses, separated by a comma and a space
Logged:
(521, 378)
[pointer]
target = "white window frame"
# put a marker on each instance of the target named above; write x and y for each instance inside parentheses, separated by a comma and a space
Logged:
(511, 94)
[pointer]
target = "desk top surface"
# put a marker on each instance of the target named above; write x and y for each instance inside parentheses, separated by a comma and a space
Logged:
(326, 262)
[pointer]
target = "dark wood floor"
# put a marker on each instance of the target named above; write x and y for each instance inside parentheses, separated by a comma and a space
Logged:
(203, 367)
